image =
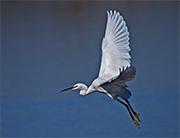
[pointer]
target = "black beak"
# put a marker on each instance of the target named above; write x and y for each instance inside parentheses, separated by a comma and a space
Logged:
(67, 89)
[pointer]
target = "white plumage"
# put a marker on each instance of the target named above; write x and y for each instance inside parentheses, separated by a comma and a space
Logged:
(115, 48)
(115, 67)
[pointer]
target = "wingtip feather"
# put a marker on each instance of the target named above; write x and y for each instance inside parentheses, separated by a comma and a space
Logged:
(107, 13)
(113, 13)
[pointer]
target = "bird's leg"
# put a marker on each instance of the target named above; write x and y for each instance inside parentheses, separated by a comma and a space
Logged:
(135, 120)
(135, 113)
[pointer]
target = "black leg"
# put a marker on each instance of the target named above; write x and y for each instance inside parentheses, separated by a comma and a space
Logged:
(135, 113)
(127, 108)
(135, 120)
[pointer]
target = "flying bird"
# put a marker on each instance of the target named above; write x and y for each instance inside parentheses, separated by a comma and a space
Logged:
(115, 69)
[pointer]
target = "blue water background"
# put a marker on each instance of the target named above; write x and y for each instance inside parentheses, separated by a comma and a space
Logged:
(48, 46)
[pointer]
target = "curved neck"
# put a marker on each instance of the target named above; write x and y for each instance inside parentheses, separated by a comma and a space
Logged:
(83, 89)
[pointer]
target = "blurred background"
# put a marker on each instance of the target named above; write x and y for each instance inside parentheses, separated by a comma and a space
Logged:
(48, 46)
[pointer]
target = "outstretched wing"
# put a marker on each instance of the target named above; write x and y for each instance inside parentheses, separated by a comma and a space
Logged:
(115, 48)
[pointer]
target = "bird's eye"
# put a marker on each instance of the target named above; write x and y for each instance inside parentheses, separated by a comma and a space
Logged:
(75, 86)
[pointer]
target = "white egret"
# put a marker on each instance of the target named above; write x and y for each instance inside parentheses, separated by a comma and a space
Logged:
(115, 67)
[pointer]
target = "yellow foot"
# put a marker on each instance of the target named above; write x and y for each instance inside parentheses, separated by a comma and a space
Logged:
(137, 116)
(136, 122)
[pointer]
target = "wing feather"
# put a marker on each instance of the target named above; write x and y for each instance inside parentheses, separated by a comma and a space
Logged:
(115, 48)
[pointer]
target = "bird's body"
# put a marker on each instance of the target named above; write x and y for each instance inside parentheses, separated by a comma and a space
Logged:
(115, 88)
(115, 67)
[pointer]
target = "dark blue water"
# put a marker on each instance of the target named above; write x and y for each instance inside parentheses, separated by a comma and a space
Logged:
(48, 46)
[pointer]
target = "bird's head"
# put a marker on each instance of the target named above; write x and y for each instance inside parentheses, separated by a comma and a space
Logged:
(79, 86)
